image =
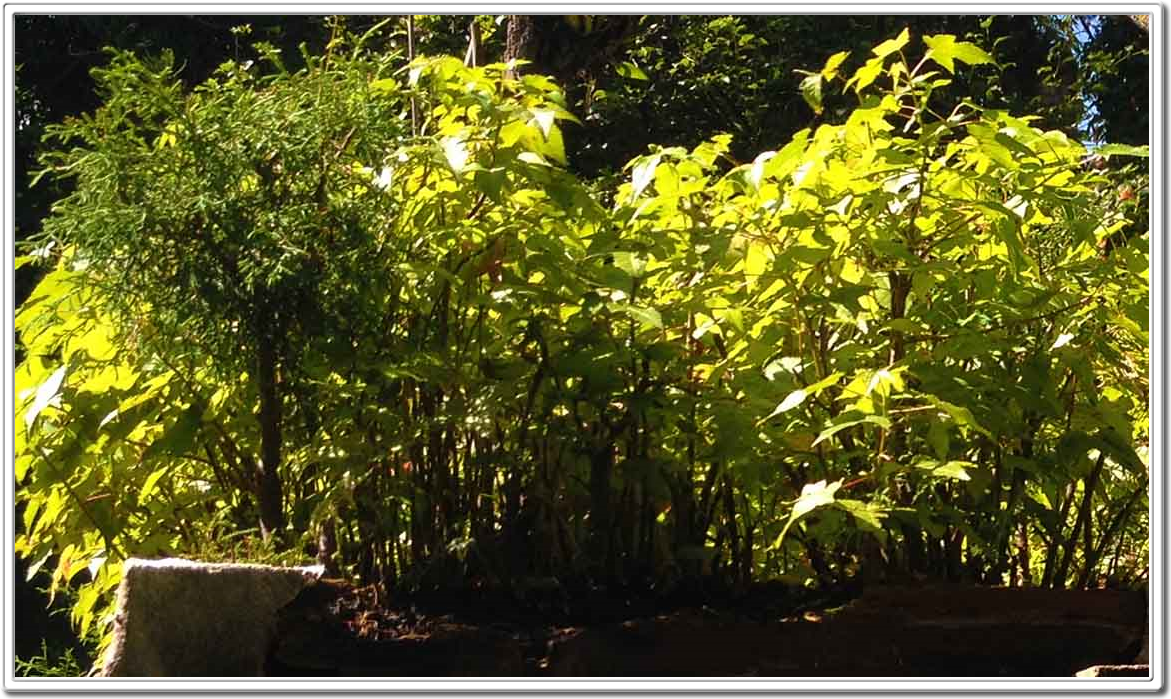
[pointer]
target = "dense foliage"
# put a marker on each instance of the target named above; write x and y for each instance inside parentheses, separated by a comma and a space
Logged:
(365, 313)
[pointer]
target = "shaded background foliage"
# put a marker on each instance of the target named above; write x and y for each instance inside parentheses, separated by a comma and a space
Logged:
(633, 81)
(704, 74)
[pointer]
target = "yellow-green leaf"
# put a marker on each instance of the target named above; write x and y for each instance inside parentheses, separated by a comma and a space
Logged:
(945, 50)
(891, 45)
(645, 315)
(865, 75)
(830, 71)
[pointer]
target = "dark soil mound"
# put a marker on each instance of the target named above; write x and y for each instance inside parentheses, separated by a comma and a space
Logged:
(333, 629)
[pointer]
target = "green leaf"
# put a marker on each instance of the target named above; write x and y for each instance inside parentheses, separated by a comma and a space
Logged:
(813, 496)
(939, 439)
(830, 71)
(818, 387)
(386, 85)
(117, 377)
(880, 420)
(791, 401)
(756, 257)
(491, 182)
(891, 45)
(811, 91)
(865, 75)
(643, 173)
(865, 515)
(630, 263)
(954, 469)
(148, 487)
(797, 397)
(46, 392)
(1014, 146)
(181, 436)
(22, 463)
(945, 50)
(555, 146)
(787, 159)
(644, 315)
(630, 71)
(544, 119)
(1119, 149)
(961, 415)
(1008, 231)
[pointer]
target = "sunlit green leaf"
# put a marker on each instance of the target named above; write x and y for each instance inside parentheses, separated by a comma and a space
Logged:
(892, 45)
(630, 71)
(1119, 149)
(813, 496)
(46, 393)
(830, 70)
(880, 420)
(544, 119)
(643, 173)
(866, 75)
(791, 401)
(945, 50)
(645, 315)
(630, 263)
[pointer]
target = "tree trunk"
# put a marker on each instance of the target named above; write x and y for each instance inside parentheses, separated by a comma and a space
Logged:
(269, 490)
(566, 50)
(327, 547)
(522, 37)
(601, 467)
(572, 53)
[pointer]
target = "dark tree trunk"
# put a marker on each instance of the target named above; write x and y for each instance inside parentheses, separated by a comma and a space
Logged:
(564, 50)
(601, 467)
(327, 547)
(269, 490)
(522, 37)
(570, 53)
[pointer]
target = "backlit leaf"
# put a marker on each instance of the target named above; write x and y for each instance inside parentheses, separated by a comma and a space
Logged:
(891, 45)
(813, 496)
(945, 50)
(830, 70)
(811, 91)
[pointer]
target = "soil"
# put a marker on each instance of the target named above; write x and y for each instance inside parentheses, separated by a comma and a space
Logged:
(335, 629)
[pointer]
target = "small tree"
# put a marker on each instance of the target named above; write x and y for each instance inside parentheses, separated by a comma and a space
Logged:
(227, 222)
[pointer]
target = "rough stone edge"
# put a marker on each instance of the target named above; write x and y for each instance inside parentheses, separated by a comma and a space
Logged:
(114, 659)
(1137, 670)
